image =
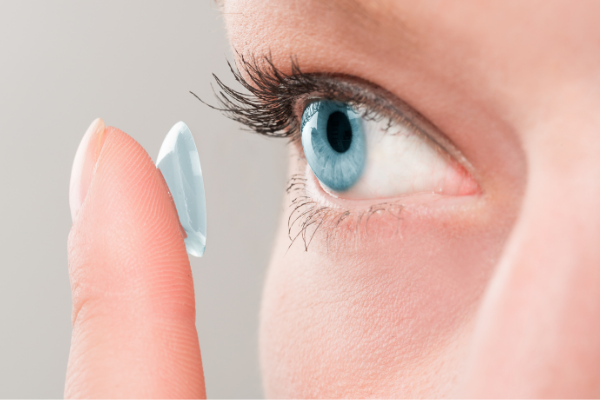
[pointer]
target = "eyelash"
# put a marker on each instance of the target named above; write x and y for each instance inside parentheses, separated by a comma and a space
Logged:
(268, 107)
(273, 107)
(307, 216)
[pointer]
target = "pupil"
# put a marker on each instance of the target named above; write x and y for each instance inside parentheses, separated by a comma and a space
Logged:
(339, 132)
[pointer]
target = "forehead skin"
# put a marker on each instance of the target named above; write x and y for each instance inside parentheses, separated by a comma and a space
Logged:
(494, 51)
(514, 85)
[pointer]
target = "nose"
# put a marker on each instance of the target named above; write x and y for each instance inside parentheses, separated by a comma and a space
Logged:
(538, 328)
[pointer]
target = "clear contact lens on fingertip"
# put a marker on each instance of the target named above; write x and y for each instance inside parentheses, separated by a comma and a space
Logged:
(179, 162)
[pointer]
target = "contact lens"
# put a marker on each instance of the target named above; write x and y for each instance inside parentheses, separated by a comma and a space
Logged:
(179, 162)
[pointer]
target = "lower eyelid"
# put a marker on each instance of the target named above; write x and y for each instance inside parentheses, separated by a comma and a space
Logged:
(340, 222)
(313, 215)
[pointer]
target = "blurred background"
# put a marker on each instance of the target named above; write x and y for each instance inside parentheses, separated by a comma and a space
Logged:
(133, 63)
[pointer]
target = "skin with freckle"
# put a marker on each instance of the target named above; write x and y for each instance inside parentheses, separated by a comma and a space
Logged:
(493, 294)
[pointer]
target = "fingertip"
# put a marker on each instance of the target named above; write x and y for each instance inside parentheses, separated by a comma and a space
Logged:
(134, 331)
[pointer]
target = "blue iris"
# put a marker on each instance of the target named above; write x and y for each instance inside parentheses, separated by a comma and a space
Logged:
(334, 143)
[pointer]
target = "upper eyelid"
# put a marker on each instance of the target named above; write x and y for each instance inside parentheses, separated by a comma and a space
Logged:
(275, 94)
(360, 93)
(276, 99)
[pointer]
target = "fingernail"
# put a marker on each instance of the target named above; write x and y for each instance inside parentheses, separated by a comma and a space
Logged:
(84, 165)
(179, 162)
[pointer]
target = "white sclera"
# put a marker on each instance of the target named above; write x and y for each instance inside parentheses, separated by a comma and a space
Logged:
(179, 163)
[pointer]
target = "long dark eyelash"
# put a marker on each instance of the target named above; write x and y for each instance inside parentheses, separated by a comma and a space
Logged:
(268, 107)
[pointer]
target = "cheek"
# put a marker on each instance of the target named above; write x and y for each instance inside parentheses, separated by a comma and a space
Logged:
(376, 314)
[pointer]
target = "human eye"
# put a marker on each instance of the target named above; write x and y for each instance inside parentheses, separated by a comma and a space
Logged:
(364, 151)
(357, 153)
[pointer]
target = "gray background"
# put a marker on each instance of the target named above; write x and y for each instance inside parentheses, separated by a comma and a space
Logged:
(64, 63)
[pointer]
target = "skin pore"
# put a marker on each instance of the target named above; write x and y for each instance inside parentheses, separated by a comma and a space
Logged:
(488, 294)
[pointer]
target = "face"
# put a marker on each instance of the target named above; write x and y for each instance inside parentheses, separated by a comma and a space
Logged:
(442, 223)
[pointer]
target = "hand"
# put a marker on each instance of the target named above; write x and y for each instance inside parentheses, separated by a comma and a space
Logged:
(134, 332)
